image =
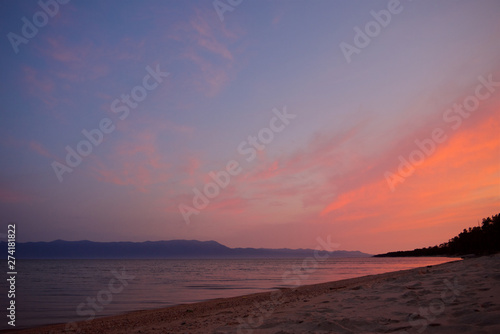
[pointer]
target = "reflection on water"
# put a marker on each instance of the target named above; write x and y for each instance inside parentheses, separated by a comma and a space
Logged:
(50, 291)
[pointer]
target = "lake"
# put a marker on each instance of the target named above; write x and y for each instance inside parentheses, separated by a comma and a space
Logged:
(60, 291)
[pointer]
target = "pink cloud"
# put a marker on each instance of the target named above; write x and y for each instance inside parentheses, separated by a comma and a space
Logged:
(9, 196)
(213, 77)
(460, 174)
(75, 63)
(41, 150)
(136, 162)
(309, 175)
(228, 204)
(277, 18)
(191, 167)
(201, 35)
(32, 145)
(42, 87)
(205, 36)
(340, 182)
(37, 82)
(59, 51)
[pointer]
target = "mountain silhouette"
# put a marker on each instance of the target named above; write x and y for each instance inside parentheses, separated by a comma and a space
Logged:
(60, 249)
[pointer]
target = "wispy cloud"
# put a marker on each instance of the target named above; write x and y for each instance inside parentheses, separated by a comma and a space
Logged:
(11, 196)
(41, 150)
(206, 43)
(134, 162)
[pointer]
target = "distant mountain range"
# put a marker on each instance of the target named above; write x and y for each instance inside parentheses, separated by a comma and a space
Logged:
(60, 249)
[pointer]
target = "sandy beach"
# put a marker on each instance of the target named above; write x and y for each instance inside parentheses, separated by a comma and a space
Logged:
(456, 297)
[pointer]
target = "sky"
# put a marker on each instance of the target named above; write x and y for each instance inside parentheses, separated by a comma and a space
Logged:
(374, 124)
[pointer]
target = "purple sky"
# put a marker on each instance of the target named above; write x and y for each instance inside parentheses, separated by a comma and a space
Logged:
(391, 139)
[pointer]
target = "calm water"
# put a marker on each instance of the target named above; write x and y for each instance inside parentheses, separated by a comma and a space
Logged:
(50, 291)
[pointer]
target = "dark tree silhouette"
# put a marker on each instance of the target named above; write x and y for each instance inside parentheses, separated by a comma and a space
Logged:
(478, 240)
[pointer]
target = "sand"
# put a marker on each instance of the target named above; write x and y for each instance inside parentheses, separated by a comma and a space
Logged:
(456, 297)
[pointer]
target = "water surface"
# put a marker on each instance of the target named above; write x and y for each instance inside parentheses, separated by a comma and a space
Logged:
(60, 291)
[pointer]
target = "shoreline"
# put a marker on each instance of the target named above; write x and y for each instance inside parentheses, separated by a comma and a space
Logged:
(257, 312)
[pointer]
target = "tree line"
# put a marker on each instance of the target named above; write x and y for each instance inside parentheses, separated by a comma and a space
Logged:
(477, 240)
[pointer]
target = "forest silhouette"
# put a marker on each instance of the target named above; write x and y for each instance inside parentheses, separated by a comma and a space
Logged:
(477, 240)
